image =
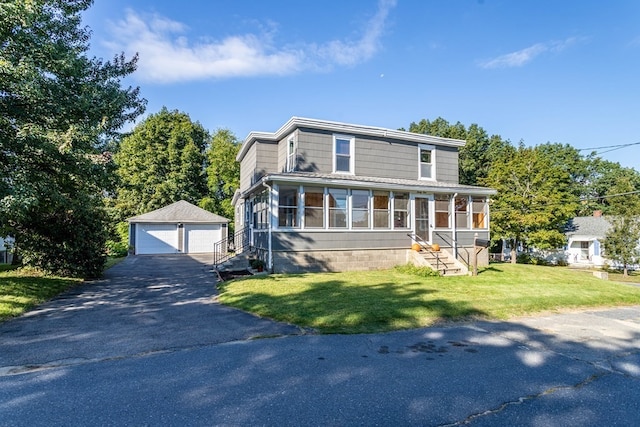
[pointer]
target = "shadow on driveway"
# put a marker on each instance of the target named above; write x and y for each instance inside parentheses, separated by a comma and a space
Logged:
(143, 304)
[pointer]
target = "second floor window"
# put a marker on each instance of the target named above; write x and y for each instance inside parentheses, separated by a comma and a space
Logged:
(343, 154)
(426, 162)
(292, 151)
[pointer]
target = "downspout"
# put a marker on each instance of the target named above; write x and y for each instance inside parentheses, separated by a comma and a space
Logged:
(455, 231)
(269, 253)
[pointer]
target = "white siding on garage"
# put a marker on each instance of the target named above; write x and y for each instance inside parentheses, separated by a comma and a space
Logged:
(156, 239)
(199, 238)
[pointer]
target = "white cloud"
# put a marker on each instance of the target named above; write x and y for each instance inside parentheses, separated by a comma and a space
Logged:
(524, 56)
(168, 55)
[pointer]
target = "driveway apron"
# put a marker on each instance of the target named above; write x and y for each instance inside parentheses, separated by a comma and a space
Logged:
(142, 305)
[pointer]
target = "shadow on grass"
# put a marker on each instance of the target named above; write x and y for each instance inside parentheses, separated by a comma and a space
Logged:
(490, 268)
(18, 294)
(337, 306)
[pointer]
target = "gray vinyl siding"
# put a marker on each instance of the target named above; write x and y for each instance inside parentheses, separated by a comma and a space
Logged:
(315, 151)
(330, 240)
(260, 159)
(379, 157)
(247, 168)
(447, 164)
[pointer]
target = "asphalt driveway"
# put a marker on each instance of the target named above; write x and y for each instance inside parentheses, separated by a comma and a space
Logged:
(144, 304)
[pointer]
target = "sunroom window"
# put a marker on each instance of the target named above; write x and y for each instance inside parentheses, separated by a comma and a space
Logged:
(337, 208)
(381, 209)
(314, 207)
(442, 205)
(479, 206)
(360, 208)
(288, 207)
(401, 210)
(462, 212)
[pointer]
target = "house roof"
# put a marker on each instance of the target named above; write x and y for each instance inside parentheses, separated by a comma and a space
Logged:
(369, 182)
(181, 211)
(300, 122)
(588, 226)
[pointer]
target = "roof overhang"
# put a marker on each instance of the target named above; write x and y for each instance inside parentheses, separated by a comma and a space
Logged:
(375, 183)
(345, 128)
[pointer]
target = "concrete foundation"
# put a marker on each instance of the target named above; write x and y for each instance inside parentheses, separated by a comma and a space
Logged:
(338, 260)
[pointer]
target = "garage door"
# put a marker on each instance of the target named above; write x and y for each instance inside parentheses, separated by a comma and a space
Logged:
(156, 239)
(199, 238)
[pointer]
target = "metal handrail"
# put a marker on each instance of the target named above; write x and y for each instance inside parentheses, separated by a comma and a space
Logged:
(427, 247)
(450, 243)
(229, 247)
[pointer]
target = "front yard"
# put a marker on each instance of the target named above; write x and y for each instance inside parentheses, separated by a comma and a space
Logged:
(375, 301)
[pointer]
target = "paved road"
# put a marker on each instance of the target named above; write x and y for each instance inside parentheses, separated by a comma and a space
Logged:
(572, 369)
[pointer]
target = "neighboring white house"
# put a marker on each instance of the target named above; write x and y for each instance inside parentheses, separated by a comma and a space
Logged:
(178, 228)
(6, 256)
(586, 235)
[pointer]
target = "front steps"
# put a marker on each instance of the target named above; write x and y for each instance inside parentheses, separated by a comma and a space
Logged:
(442, 262)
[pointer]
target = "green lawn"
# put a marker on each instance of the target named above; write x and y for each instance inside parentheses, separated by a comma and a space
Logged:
(22, 289)
(362, 302)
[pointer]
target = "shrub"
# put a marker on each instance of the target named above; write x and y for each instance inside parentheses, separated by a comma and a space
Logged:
(417, 271)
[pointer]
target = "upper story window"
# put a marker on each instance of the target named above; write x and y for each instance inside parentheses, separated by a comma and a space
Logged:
(292, 154)
(427, 168)
(343, 154)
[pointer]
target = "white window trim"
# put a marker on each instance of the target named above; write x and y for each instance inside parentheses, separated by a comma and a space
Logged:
(431, 148)
(290, 162)
(352, 150)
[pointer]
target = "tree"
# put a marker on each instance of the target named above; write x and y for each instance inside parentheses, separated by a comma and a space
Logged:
(223, 173)
(57, 109)
(479, 151)
(608, 187)
(621, 241)
(535, 199)
(161, 162)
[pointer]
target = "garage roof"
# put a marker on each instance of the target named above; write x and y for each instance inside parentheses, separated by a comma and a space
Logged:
(181, 211)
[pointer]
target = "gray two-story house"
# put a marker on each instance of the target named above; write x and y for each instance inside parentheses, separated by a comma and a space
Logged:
(318, 195)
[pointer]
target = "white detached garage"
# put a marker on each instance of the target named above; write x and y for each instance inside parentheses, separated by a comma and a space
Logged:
(178, 228)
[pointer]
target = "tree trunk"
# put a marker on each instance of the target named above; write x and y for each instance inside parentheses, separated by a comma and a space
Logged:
(514, 255)
(625, 271)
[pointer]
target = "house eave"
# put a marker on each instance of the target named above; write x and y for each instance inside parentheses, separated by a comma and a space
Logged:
(417, 186)
(344, 128)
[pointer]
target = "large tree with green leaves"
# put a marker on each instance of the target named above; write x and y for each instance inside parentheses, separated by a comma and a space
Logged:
(476, 156)
(57, 107)
(621, 241)
(223, 173)
(161, 162)
(535, 199)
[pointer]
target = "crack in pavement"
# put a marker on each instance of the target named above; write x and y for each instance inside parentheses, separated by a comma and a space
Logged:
(524, 399)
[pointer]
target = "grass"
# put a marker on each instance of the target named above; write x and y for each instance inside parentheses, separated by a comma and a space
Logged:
(376, 301)
(22, 289)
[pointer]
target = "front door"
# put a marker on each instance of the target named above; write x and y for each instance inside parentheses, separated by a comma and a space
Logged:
(421, 223)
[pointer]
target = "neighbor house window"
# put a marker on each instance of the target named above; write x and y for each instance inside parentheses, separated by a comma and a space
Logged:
(442, 211)
(462, 212)
(381, 209)
(426, 161)
(292, 151)
(288, 207)
(360, 208)
(479, 209)
(401, 210)
(314, 207)
(337, 208)
(343, 149)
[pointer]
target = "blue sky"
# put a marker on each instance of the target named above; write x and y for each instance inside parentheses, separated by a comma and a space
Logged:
(533, 70)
